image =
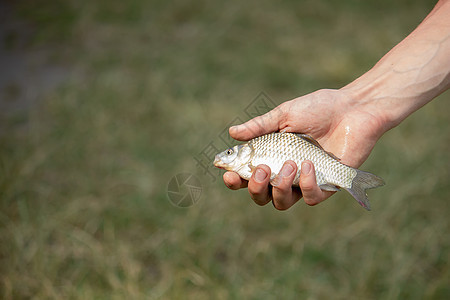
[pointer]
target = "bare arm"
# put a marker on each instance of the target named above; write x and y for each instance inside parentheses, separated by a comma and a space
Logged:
(411, 74)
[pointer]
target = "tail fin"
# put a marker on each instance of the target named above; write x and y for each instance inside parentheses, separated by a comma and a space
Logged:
(362, 182)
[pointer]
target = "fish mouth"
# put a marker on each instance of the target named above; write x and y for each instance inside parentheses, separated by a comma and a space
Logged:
(217, 163)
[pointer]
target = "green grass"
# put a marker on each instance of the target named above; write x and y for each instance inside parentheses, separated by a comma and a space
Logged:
(83, 176)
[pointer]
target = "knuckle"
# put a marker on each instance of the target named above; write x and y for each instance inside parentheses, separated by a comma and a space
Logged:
(281, 193)
(260, 203)
(280, 206)
(307, 185)
(311, 202)
(309, 195)
(231, 186)
(307, 189)
(257, 190)
(259, 199)
(258, 193)
(282, 185)
(281, 200)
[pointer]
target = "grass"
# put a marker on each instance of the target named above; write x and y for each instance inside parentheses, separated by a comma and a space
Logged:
(83, 174)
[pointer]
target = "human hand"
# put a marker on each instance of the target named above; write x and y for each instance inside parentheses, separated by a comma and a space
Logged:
(349, 121)
(341, 125)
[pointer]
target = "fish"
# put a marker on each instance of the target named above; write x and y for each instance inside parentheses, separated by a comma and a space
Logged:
(276, 148)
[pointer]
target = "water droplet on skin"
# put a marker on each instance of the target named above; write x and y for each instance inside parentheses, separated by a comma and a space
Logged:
(346, 136)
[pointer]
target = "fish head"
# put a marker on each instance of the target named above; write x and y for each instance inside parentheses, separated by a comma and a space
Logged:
(234, 158)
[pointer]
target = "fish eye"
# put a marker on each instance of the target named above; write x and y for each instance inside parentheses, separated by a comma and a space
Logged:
(229, 151)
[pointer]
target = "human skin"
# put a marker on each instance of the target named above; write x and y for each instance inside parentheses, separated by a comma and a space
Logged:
(349, 121)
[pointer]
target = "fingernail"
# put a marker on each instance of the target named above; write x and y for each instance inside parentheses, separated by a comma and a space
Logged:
(306, 168)
(260, 175)
(234, 128)
(286, 170)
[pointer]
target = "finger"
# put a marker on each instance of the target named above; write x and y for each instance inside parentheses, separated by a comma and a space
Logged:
(312, 194)
(284, 196)
(233, 181)
(258, 185)
(258, 126)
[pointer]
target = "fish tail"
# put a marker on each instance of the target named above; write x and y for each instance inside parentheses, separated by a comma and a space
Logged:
(362, 182)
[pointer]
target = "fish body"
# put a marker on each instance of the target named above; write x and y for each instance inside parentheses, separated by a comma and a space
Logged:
(276, 148)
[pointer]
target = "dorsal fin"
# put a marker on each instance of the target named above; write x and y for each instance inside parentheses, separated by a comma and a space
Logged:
(311, 140)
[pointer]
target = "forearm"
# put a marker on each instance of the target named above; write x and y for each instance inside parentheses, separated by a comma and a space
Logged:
(410, 75)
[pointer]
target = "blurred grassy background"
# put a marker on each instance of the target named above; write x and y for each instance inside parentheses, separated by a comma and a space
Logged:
(83, 171)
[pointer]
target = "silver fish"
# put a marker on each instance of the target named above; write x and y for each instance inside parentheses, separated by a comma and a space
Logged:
(275, 148)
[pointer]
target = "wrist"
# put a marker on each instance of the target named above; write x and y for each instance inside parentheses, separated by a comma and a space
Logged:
(363, 98)
(391, 95)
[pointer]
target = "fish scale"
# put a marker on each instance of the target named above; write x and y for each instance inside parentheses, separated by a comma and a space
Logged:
(276, 148)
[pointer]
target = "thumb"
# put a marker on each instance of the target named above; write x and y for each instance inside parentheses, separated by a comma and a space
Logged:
(267, 123)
